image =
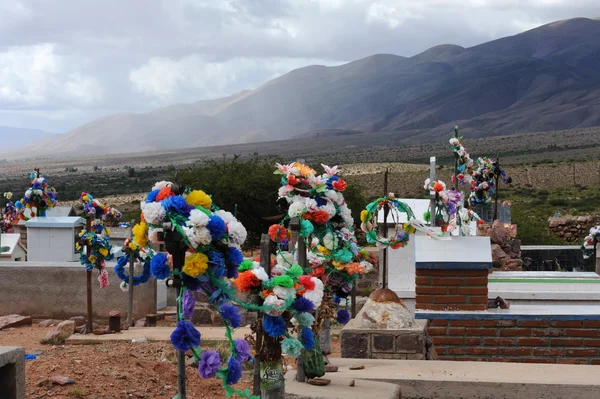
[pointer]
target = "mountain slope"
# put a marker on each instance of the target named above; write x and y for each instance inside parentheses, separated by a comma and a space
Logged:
(545, 79)
(13, 138)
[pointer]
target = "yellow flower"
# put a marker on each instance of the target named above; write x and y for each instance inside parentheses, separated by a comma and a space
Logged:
(140, 234)
(92, 259)
(77, 246)
(338, 265)
(195, 264)
(85, 198)
(363, 215)
(304, 170)
(323, 250)
(132, 246)
(199, 198)
(103, 252)
(107, 231)
(81, 233)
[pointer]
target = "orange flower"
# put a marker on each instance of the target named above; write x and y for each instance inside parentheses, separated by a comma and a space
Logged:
(397, 245)
(438, 187)
(164, 193)
(317, 272)
(339, 185)
(246, 281)
(320, 217)
(266, 293)
(278, 233)
(304, 170)
(355, 268)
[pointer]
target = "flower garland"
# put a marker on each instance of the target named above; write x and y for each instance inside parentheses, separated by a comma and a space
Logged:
(402, 231)
(213, 258)
(465, 163)
(100, 250)
(141, 256)
(94, 208)
(589, 242)
(9, 215)
(447, 204)
(37, 199)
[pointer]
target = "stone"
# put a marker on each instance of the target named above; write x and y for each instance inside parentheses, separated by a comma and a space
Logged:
(202, 315)
(12, 372)
(61, 380)
(385, 315)
(66, 329)
(49, 323)
(410, 343)
(14, 320)
(357, 367)
(352, 383)
(125, 326)
(497, 252)
(52, 336)
(355, 345)
(498, 233)
(79, 329)
(79, 320)
(114, 313)
(330, 368)
(140, 323)
(383, 343)
(514, 264)
(101, 331)
(320, 382)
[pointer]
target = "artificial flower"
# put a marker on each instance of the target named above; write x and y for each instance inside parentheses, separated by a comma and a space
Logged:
(246, 281)
(234, 371)
(242, 350)
(277, 233)
(274, 326)
(217, 227)
(276, 305)
(159, 267)
(231, 315)
(199, 198)
(188, 303)
(302, 305)
(195, 264)
(343, 316)
(304, 319)
(307, 338)
(291, 347)
(185, 336)
(209, 364)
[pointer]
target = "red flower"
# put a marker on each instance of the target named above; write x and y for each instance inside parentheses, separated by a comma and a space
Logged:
(438, 187)
(278, 233)
(164, 193)
(292, 180)
(246, 281)
(318, 271)
(339, 185)
(307, 282)
(320, 217)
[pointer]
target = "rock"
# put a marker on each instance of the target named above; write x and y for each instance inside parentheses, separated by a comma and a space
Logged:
(140, 323)
(330, 368)
(320, 382)
(101, 331)
(514, 264)
(61, 380)
(66, 329)
(384, 316)
(79, 330)
(114, 313)
(14, 320)
(497, 252)
(352, 383)
(554, 224)
(582, 219)
(49, 323)
(79, 320)
(125, 326)
(42, 382)
(357, 367)
(498, 233)
(52, 337)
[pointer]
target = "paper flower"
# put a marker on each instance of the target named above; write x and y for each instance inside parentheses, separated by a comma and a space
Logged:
(217, 227)
(234, 371)
(237, 232)
(304, 319)
(231, 315)
(185, 336)
(277, 304)
(307, 338)
(291, 347)
(209, 364)
(199, 198)
(159, 267)
(303, 305)
(188, 303)
(274, 326)
(195, 264)
(343, 316)
(242, 350)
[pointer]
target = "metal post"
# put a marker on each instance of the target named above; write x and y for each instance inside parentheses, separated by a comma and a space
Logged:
(432, 219)
(88, 250)
(496, 182)
(130, 292)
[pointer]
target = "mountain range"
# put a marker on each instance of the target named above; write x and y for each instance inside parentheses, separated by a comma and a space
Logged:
(544, 79)
(15, 138)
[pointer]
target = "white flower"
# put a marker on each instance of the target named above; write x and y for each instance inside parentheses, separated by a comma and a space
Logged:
(329, 208)
(311, 205)
(226, 216)
(153, 235)
(454, 141)
(314, 259)
(329, 241)
(273, 301)
(285, 190)
(153, 212)
(335, 196)
(349, 220)
(237, 232)
(316, 297)
(345, 234)
(427, 183)
(198, 218)
(260, 273)
(161, 184)
(190, 233)
(284, 292)
(318, 284)
(330, 171)
(278, 270)
(296, 209)
(204, 236)
(123, 286)
(285, 259)
(314, 242)
(367, 266)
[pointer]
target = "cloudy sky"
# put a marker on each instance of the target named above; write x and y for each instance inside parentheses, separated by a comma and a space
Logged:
(67, 62)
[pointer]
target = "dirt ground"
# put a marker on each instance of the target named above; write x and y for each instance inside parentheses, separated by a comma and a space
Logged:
(112, 370)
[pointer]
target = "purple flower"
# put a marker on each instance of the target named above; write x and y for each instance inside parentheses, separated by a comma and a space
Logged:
(210, 361)
(343, 316)
(185, 336)
(234, 371)
(230, 314)
(303, 305)
(188, 302)
(242, 350)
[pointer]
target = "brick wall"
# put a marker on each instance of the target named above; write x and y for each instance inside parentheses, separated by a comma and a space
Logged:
(522, 341)
(451, 289)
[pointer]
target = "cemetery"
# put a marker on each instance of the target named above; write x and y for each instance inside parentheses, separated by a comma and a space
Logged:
(185, 307)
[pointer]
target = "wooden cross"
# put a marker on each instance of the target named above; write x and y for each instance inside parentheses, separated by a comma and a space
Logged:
(432, 220)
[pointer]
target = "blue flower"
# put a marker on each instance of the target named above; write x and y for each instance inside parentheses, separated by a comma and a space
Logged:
(303, 305)
(209, 364)
(307, 338)
(343, 316)
(231, 315)
(320, 201)
(152, 196)
(177, 204)
(330, 182)
(159, 268)
(216, 263)
(217, 227)
(234, 371)
(242, 350)
(185, 336)
(274, 326)
(191, 283)
(337, 299)
(234, 259)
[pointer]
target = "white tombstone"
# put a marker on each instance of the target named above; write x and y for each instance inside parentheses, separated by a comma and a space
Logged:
(16, 251)
(52, 239)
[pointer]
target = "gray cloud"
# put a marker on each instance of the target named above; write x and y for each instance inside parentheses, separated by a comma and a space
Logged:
(65, 63)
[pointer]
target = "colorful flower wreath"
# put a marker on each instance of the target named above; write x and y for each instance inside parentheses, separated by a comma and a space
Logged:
(100, 250)
(37, 199)
(9, 215)
(482, 182)
(589, 242)
(213, 258)
(465, 163)
(141, 256)
(447, 204)
(402, 231)
(94, 208)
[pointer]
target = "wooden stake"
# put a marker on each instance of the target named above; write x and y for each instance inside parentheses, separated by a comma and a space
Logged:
(386, 210)
(496, 186)
(88, 250)
(432, 219)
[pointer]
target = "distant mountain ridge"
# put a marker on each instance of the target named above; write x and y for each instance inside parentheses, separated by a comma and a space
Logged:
(15, 138)
(544, 79)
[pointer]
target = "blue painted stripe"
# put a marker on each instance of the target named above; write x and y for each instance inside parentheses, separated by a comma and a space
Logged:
(454, 265)
(502, 316)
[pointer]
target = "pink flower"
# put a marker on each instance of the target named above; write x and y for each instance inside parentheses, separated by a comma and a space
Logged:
(285, 169)
(103, 278)
(330, 171)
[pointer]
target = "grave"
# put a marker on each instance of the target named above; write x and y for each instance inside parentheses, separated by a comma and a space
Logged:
(52, 239)
(13, 250)
(12, 372)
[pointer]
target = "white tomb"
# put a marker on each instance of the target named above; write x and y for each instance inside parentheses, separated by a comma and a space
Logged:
(16, 252)
(52, 239)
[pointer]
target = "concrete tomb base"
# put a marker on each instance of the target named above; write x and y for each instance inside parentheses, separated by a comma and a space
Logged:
(12, 372)
(384, 329)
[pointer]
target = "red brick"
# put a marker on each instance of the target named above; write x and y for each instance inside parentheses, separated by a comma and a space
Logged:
(456, 331)
(478, 299)
(548, 351)
(473, 291)
(482, 351)
(472, 273)
(429, 306)
(573, 361)
(489, 323)
(532, 341)
(505, 323)
(438, 323)
(582, 352)
(565, 342)
(446, 357)
(422, 281)
(476, 281)
(489, 332)
(465, 323)
(450, 299)
(441, 350)
(577, 332)
(515, 351)
(482, 306)
(566, 323)
(515, 332)
(595, 361)
(591, 324)
(448, 340)
(424, 299)
(472, 341)
(455, 351)
(533, 323)
(549, 332)
(446, 281)
(591, 342)
(451, 290)
(499, 341)
(429, 290)
(432, 272)
(471, 359)
(436, 331)
(538, 360)
(506, 360)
